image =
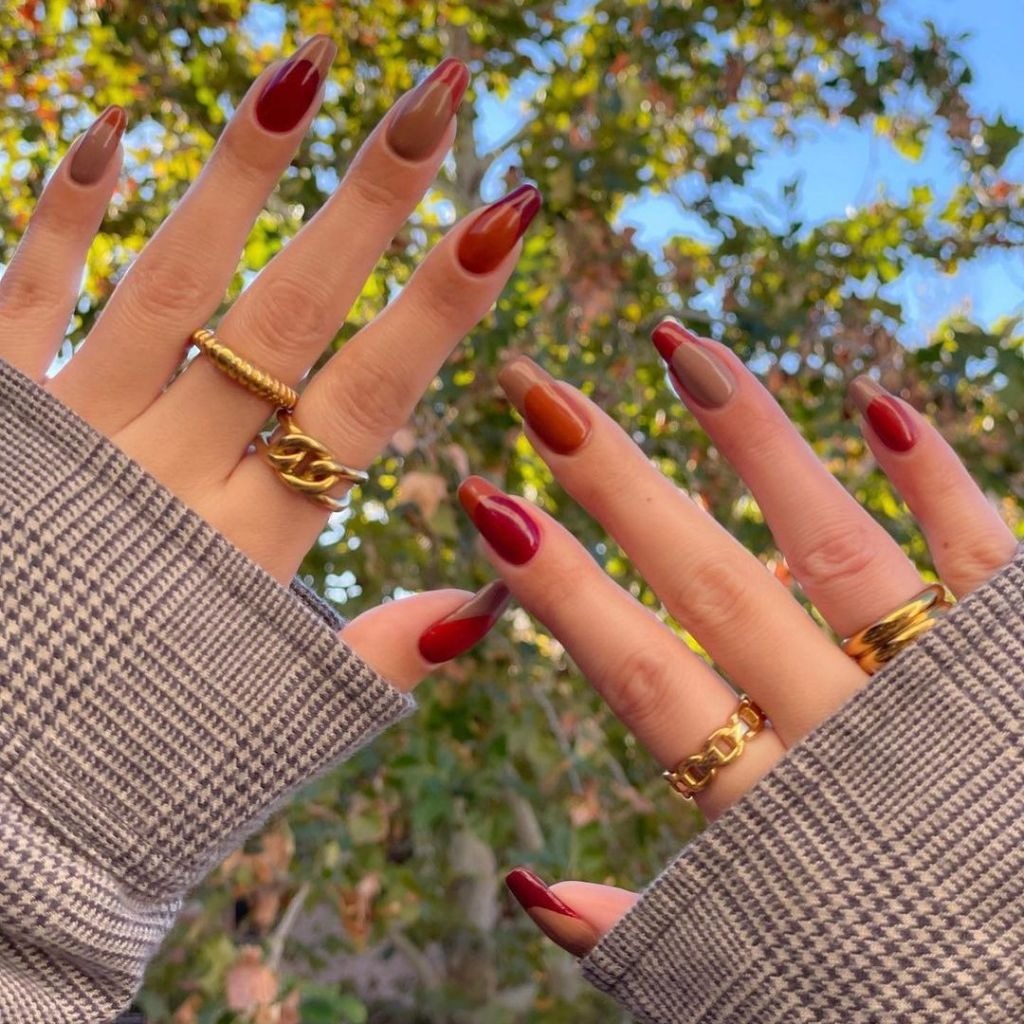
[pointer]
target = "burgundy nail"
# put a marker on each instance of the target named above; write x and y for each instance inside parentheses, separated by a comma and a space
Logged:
(556, 919)
(491, 237)
(458, 632)
(288, 95)
(501, 522)
(98, 145)
(424, 113)
(888, 418)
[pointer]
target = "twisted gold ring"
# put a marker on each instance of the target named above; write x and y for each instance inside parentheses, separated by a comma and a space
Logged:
(305, 465)
(880, 642)
(251, 377)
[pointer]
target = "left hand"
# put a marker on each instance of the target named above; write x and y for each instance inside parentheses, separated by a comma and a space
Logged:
(845, 562)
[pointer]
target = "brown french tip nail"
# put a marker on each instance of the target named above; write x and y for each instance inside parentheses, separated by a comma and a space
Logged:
(98, 145)
(694, 366)
(552, 411)
(458, 632)
(490, 238)
(558, 921)
(424, 113)
(888, 418)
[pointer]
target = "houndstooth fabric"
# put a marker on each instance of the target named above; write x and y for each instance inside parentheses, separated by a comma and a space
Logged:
(160, 696)
(876, 875)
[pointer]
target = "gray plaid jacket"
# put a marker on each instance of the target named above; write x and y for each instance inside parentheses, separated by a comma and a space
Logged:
(161, 695)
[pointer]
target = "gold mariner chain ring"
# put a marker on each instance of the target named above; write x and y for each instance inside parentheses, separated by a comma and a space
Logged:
(251, 377)
(880, 642)
(722, 747)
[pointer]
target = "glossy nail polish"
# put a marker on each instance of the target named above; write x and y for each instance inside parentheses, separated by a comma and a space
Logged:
(490, 238)
(695, 368)
(98, 145)
(556, 920)
(553, 412)
(456, 633)
(888, 419)
(423, 115)
(287, 96)
(501, 522)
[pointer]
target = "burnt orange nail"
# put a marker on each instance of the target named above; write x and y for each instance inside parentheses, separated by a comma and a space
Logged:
(551, 410)
(490, 238)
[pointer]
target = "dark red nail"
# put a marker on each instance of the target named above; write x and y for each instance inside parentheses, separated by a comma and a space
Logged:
(426, 112)
(888, 418)
(501, 522)
(287, 96)
(456, 633)
(491, 237)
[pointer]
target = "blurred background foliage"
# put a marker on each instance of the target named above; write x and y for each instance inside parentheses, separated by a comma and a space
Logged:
(377, 897)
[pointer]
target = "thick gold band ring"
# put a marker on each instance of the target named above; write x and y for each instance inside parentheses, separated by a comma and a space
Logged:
(880, 642)
(251, 377)
(305, 465)
(722, 747)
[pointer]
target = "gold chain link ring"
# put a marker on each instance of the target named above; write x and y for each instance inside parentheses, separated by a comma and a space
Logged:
(251, 377)
(305, 465)
(722, 747)
(880, 642)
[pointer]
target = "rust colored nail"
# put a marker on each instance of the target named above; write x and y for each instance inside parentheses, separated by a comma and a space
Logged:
(97, 147)
(694, 366)
(458, 632)
(288, 95)
(490, 238)
(551, 410)
(424, 113)
(556, 919)
(888, 418)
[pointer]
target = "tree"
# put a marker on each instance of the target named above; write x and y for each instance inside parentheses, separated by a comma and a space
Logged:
(511, 758)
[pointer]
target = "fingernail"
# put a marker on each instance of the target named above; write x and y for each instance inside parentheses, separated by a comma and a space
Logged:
(456, 633)
(888, 419)
(98, 145)
(694, 367)
(287, 96)
(501, 522)
(418, 125)
(551, 410)
(558, 921)
(492, 235)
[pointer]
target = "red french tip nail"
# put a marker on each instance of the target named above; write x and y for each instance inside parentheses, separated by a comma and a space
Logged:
(668, 336)
(455, 75)
(491, 237)
(458, 632)
(531, 891)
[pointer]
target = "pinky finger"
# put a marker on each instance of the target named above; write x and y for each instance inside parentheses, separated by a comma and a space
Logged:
(39, 289)
(967, 538)
(575, 915)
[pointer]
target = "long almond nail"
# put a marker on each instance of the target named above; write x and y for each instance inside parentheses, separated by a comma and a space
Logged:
(551, 410)
(558, 921)
(458, 632)
(888, 418)
(501, 522)
(423, 116)
(490, 238)
(288, 95)
(98, 145)
(694, 366)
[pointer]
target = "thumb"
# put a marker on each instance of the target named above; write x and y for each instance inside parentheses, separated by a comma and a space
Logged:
(576, 915)
(405, 640)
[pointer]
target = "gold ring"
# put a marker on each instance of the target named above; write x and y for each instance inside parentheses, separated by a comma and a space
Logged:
(722, 747)
(880, 642)
(305, 465)
(251, 377)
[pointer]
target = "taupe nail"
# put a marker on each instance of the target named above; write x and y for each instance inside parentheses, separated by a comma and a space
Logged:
(97, 146)
(418, 125)
(696, 369)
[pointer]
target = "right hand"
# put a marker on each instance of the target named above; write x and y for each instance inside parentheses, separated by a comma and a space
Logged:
(194, 435)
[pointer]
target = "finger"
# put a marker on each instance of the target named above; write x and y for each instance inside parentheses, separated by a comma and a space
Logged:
(180, 277)
(284, 320)
(369, 388)
(404, 641)
(738, 611)
(40, 286)
(968, 539)
(846, 563)
(668, 697)
(572, 914)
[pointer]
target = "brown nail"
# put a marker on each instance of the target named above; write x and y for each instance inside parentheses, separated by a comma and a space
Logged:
(98, 145)
(694, 366)
(558, 921)
(424, 113)
(550, 409)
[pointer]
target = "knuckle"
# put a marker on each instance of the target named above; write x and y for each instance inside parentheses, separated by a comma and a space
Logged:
(168, 287)
(974, 559)
(377, 191)
(289, 319)
(25, 295)
(639, 688)
(837, 553)
(370, 399)
(707, 597)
